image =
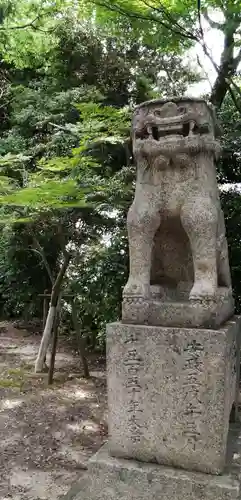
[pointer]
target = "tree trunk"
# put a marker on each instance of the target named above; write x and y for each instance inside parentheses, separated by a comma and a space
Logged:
(55, 341)
(39, 365)
(45, 309)
(45, 315)
(80, 342)
(228, 66)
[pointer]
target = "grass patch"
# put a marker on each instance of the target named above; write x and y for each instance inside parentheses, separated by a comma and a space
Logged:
(16, 372)
(8, 382)
(12, 377)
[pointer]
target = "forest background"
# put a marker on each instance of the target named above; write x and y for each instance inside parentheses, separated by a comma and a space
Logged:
(71, 72)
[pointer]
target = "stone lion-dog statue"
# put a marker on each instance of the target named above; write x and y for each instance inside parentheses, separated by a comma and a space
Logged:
(178, 251)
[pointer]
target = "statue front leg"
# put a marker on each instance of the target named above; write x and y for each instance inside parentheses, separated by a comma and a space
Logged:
(142, 222)
(199, 219)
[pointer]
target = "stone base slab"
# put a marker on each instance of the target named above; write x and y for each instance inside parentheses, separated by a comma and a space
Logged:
(118, 479)
(183, 314)
(170, 393)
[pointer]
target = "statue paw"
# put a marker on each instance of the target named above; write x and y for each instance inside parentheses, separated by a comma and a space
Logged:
(136, 288)
(202, 290)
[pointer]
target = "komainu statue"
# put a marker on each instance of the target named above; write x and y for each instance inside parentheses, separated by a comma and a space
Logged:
(179, 268)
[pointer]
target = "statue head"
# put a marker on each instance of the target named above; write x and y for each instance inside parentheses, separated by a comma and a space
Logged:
(177, 126)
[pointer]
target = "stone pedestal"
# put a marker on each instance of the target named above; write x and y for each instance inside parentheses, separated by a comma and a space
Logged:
(111, 478)
(180, 313)
(170, 394)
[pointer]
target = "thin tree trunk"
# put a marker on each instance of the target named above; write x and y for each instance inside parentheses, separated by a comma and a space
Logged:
(45, 314)
(45, 309)
(39, 365)
(54, 345)
(80, 342)
(40, 361)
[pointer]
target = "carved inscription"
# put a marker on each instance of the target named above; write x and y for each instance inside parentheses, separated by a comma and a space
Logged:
(234, 357)
(133, 363)
(193, 410)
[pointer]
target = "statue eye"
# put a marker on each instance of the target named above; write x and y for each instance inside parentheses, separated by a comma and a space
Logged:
(182, 110)
(157, 112)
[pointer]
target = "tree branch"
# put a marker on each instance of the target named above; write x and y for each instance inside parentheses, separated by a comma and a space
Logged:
(31, 25)
(213, 24)
(182, 31)
(228, 66)
(119, 10)
(225, 72)
(58, 282)
(64, 128)
(200, 19)
(23, 26)
(40, 251)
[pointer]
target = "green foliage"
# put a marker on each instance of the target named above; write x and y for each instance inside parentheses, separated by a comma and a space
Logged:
(19, 288)
(64, 182)
(231, 204)
(101, 271)
(149, 21)
(40, 121)
(70, 80)
(28, 30)
(230, 163)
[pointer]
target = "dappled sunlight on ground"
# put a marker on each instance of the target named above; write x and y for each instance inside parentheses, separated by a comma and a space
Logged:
(84, 425)
(8, 404)
(75, 393)
(47, 434)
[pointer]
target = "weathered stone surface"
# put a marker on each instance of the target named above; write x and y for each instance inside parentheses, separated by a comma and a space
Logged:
(170, 393)
(117, 479)
(175, 225)
(188, 313)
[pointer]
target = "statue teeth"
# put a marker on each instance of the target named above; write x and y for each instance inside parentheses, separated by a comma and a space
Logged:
(191, 127)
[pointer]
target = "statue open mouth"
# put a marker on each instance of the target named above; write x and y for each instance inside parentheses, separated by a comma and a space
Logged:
(169, 128)
(159, 132)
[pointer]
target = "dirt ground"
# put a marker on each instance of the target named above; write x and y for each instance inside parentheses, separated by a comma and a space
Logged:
(46, 434)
